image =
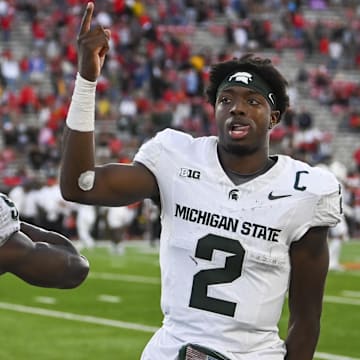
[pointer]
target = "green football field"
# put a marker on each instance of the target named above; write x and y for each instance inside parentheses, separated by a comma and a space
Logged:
(114, 313)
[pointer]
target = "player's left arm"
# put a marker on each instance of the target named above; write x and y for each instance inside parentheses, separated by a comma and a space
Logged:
(35, 255)
(47, 261)
(309, 266)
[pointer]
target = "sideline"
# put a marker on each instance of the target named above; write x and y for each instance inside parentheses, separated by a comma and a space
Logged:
(119, 324)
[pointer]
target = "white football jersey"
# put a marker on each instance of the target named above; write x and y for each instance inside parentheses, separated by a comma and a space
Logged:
(9, 218)
(224, 249)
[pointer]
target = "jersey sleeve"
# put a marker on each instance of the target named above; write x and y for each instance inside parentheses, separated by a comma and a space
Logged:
(9, 218)
(157, 152)
(149, 153)
(321, 204)
(328, 210)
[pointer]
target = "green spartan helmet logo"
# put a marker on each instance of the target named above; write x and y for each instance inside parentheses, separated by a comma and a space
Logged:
(234, 194)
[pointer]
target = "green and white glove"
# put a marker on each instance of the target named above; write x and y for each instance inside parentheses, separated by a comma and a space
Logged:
(9, 218)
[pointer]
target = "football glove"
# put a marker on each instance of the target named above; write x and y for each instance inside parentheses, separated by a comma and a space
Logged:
(9, 218)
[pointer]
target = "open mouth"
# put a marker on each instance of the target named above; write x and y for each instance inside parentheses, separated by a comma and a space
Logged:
(238, 131)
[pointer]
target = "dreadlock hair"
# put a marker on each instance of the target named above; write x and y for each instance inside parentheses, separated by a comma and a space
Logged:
(263, 67)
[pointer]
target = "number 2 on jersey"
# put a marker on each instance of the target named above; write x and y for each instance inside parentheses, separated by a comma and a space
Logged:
(232, 270)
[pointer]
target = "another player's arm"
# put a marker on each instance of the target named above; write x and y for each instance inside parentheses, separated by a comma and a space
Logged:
(43, 258)
(80, 180)
(309, 265)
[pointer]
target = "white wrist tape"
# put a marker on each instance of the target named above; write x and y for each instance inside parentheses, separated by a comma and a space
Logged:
(81, 115)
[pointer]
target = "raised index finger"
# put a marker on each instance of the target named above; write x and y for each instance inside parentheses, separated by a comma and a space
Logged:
(86, 20)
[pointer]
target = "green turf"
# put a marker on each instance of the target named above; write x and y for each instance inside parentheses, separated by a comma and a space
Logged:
(126, 289)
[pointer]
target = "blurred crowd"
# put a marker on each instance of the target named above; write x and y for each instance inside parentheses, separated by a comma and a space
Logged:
(154, 77)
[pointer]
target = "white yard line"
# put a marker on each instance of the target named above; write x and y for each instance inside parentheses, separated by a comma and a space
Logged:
(109, 298)
(350, 293)
(341, 300)
(325, 356)
(77, 317)
(45, 300)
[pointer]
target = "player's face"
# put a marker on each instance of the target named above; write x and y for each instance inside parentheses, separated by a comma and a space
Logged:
(243, 118)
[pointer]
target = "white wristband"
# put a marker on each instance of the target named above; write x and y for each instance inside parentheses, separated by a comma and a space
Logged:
(81, 115)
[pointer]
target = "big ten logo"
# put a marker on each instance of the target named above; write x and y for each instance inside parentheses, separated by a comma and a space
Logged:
(193, 174)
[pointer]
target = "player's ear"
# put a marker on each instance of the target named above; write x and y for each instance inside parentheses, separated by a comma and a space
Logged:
(274, 118)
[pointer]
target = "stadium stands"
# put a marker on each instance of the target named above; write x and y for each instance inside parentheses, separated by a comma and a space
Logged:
(157, 68)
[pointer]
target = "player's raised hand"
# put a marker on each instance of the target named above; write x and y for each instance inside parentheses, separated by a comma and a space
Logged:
(93, 44)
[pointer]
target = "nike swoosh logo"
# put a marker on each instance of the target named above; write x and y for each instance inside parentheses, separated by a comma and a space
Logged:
(276, 197)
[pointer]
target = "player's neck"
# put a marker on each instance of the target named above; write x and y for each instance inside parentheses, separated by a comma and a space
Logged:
(269, 163)
(246, 165)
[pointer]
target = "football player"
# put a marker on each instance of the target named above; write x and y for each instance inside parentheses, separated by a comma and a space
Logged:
(37, 256)
(240, 228)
